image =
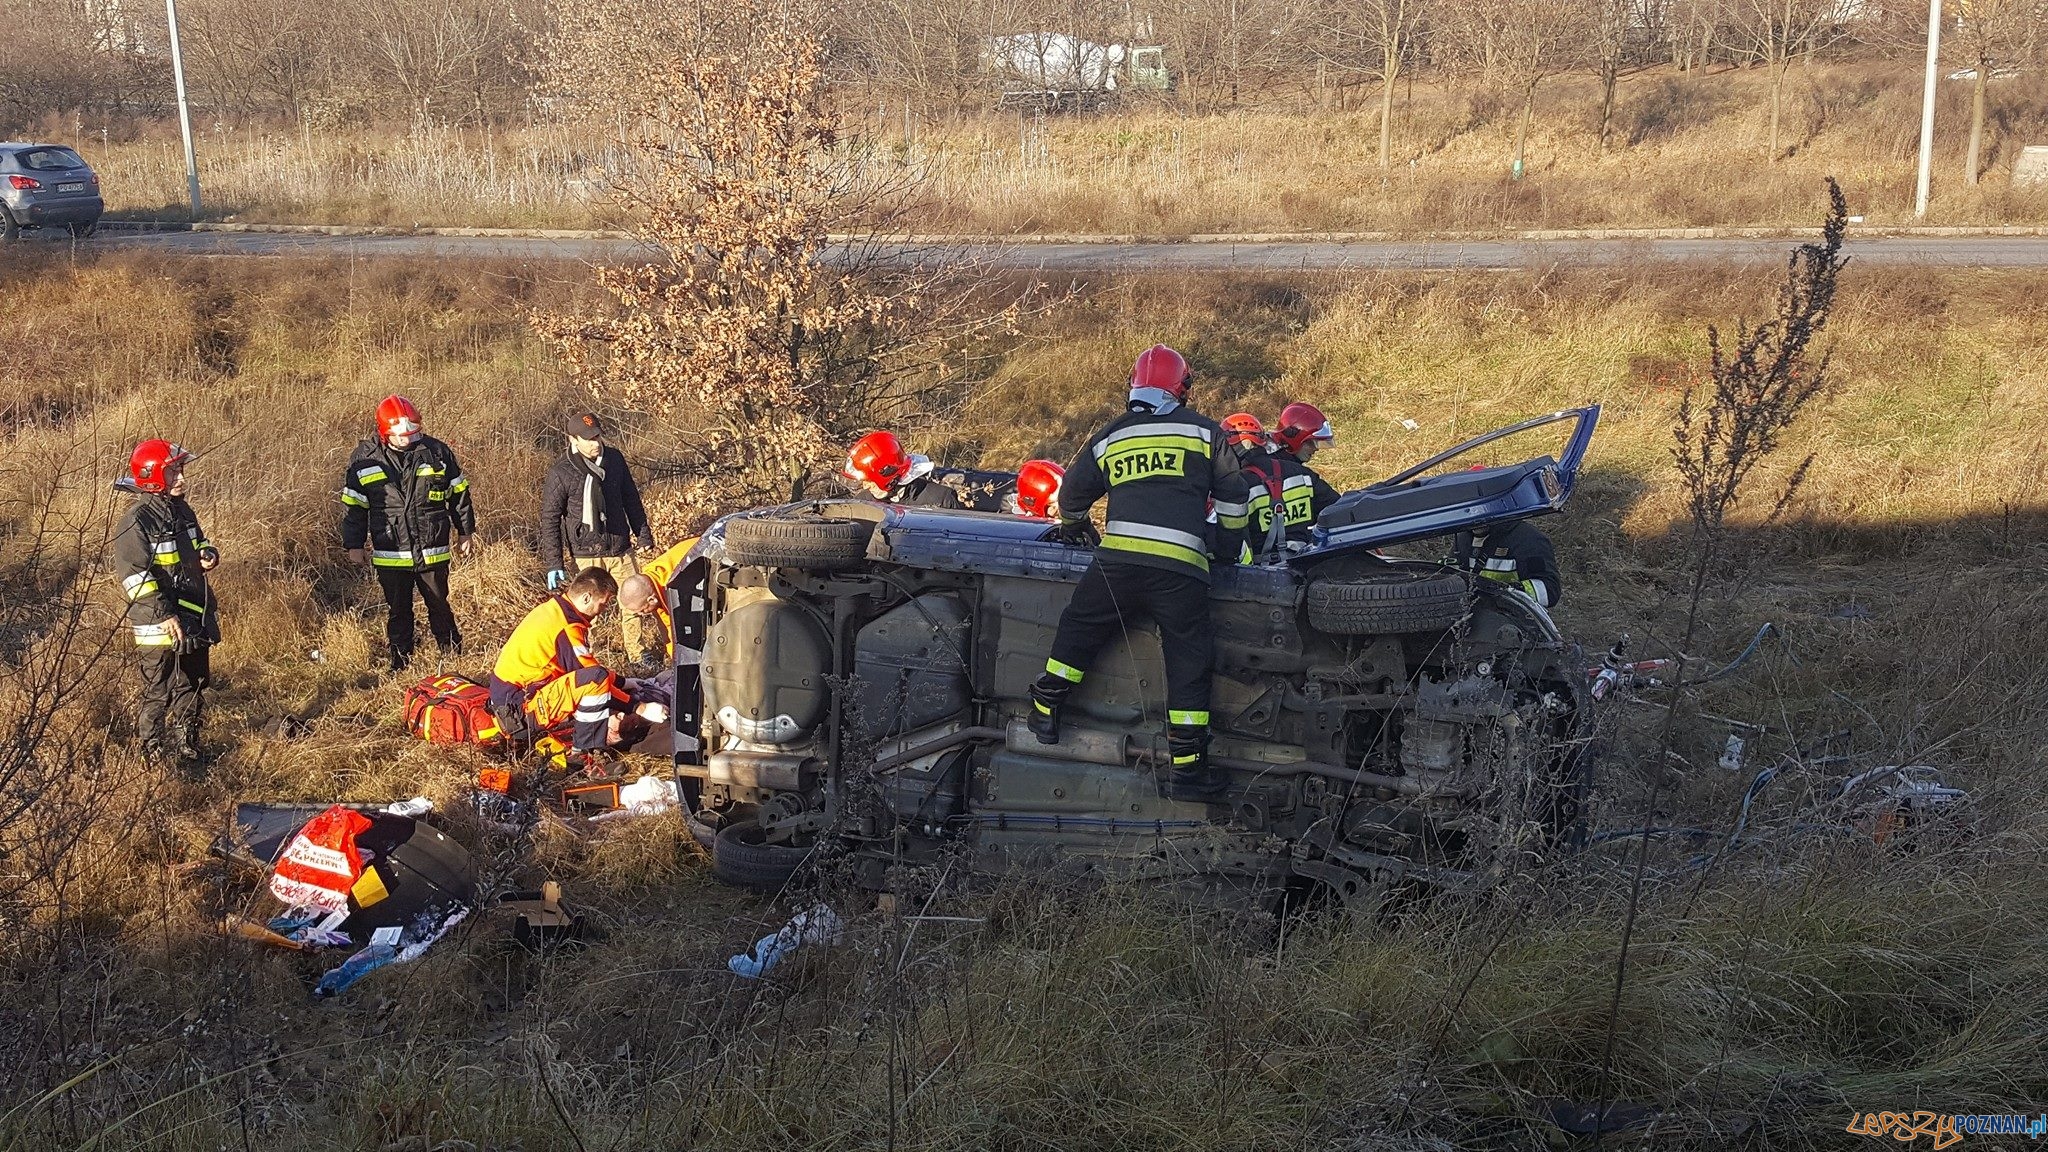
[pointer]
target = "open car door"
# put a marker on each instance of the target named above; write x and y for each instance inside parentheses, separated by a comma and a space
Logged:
(1411, 506)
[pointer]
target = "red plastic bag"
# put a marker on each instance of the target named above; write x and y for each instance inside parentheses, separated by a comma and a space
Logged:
(321, 862)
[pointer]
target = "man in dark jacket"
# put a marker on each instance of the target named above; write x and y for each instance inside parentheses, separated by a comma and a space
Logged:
(1161, 465)
(1518, 555)
(161, 557)
(406, 499)
(590, 507)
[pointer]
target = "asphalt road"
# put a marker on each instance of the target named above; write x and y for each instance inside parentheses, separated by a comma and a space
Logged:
(1958, 252)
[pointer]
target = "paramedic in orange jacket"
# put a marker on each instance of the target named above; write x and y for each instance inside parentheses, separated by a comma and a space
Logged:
(547, 669)
(646, 595)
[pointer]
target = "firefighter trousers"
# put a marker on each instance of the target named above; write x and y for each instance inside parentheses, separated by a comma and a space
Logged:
(431, 583)
(1110, 599)
(173, 691)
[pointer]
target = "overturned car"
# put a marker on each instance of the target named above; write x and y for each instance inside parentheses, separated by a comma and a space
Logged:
(853, 680)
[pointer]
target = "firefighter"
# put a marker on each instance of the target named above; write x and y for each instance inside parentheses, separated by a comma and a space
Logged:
(405, 512)
(161, 556)
(590, 507)
(1038, 490)
(1161, 465)
(1262, 476)
(880, 467)
(1304, 495)
(546, 674)
(1517, 554)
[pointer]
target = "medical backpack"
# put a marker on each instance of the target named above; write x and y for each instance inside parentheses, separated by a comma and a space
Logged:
(451, 709)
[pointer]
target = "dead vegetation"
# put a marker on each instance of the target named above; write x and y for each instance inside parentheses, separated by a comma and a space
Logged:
(1809, 974)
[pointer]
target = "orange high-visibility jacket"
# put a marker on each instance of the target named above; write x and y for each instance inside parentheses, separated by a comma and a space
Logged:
(552, 641)
(661, 570)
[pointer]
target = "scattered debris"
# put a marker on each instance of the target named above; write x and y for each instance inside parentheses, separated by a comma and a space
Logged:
(647, 796)
(540, 919)
(816, 925)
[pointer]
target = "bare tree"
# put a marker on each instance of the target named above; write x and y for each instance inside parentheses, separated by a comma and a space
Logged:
(1778, 32)
(1695, 26)
(1378, 38)
(449, 56)
(1518, 44)
(1990, 34)
(1621, 30)
(253, 54)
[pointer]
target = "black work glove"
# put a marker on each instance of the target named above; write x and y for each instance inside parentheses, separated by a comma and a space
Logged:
(1076, 534)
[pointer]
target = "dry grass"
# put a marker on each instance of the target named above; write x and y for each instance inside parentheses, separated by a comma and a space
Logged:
(1812, 976)
(1689, 151)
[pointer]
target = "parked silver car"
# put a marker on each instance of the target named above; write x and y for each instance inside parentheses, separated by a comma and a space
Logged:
(47, 186)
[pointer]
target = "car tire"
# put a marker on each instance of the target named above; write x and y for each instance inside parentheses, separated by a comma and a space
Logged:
(83, 230)
(741, 859)
(1387, 604)
(9, 230)
(818, 542)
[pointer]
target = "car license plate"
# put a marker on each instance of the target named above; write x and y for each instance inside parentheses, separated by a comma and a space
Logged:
(75, 187)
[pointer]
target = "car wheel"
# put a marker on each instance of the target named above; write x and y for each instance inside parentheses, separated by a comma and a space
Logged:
(1386, 604)
(741, 858)
(9, 230)
(788, 541)
(83, 230)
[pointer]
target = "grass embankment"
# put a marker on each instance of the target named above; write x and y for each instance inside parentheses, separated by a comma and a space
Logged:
(1805, 978)
(1687, 149)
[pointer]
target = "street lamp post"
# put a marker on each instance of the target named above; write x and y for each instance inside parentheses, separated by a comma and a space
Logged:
(185, 107)
(1927, 109)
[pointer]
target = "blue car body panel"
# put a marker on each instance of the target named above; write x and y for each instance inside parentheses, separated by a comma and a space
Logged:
(1394, 510)
(1403, 507)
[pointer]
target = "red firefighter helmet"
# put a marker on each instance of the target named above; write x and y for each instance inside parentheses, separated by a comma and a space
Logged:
(398, 421)
(151, 462)
(1301, 423)
(1038, 488)
(1242, 428)
(878, 459)
(1162, 368)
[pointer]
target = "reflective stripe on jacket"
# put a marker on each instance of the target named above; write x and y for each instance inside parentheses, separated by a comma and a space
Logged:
(156, 551)
(1303, 495)
(1160, 472)
(403, 503)
(1518, 555)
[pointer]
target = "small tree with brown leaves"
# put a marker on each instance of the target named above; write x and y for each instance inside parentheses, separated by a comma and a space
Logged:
(773, 321)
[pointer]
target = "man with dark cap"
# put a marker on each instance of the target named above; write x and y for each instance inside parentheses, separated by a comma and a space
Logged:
(590, 509)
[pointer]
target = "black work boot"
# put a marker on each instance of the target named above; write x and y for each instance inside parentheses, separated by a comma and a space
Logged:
(1193, 778)
(1047, 697)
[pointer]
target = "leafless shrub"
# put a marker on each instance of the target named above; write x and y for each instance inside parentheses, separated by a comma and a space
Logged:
(773, 323)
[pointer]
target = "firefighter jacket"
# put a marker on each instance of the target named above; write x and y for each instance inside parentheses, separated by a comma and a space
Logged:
(926, 492)
(1262, 478)
(1303, 495)
(1160, 471)
(156, 553)
(552, 641)
(591, 508)
(403, 502)
(1515, 554)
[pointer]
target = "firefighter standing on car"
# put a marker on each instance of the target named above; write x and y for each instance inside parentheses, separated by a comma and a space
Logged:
(1161, 465)
(161, 557)
(590, 507)
(1265, 528)
(1518, 555)
(1301, 431)
(406, 512)
(880, 467)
